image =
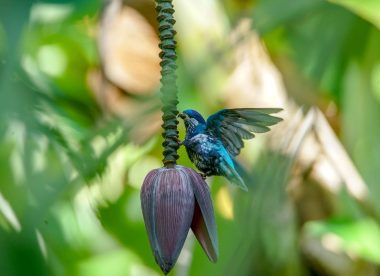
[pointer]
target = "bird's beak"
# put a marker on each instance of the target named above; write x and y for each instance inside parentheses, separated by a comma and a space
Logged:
(182, 115)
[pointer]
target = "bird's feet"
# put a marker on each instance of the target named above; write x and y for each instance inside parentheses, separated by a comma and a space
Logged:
(203, 175)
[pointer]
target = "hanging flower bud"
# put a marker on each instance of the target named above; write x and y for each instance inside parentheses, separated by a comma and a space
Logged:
(173, 200)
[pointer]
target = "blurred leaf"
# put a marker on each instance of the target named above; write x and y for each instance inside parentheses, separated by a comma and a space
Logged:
(129, 228)
(315, 38)
(368, 9)
(267, 15)
(21, 248)
(361, 95)
(116, 263)
(359, 237)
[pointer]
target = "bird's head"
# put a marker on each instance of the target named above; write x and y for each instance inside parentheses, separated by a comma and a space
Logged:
(191, 118)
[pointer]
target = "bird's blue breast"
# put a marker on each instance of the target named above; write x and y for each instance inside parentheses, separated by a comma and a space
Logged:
(206, 152)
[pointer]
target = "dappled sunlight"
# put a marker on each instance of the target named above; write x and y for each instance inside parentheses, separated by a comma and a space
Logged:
(8, 214)
(51, 60)
(224, 203)
(46, 13)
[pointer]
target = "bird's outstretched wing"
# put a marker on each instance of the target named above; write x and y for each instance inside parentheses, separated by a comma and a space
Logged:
(234, 125)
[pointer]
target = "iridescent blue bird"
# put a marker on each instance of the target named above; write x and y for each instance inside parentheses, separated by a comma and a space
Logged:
(213, 144)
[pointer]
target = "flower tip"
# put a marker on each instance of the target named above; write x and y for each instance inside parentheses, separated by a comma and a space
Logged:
(166, 267)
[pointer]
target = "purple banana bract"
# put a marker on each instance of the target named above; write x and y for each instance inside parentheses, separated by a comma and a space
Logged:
(173, 200)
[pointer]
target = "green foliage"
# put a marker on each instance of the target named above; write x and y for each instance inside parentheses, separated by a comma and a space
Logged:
(70, 175)
(360, 237)
(367, 9)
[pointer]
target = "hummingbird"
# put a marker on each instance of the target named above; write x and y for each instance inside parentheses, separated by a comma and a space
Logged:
(213, 144)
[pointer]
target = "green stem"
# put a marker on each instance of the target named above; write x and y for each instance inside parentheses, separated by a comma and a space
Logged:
(169, 99)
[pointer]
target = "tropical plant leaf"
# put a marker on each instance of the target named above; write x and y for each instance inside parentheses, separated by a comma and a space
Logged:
(367, 9)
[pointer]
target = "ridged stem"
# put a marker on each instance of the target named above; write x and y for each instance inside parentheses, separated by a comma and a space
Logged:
(168, 65)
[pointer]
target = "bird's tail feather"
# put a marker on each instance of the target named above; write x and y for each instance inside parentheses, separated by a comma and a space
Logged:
(244, 174)
(233, 176)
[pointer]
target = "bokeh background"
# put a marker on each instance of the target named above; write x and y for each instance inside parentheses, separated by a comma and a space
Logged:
(80, 128)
